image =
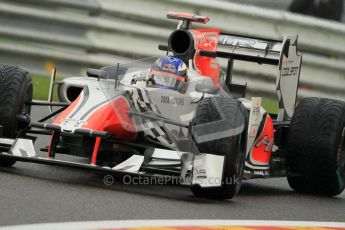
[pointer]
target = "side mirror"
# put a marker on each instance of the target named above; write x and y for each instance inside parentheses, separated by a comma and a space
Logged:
(209, 89)
(96, 73)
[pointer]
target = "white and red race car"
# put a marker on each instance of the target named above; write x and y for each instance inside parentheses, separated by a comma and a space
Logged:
(196, 127)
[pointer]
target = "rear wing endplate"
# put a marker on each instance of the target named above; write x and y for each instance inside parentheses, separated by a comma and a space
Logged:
(279, 53)
(288, 78)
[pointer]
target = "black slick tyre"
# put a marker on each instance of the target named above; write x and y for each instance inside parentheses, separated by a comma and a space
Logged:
(316, 148)
(15, 91)
(231, 147)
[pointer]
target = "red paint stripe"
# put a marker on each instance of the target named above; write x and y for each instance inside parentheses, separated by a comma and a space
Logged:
(95, 150)
(50, 144)
(193, 228)
(265, 228)
(67, 111)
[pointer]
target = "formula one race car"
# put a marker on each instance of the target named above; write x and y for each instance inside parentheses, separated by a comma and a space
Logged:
(178, 116)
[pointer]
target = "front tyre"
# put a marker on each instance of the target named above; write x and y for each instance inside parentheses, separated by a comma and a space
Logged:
(316, 148)
(15, 91)
(231, 147)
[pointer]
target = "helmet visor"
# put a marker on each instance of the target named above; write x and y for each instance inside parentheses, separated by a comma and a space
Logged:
(167, 80)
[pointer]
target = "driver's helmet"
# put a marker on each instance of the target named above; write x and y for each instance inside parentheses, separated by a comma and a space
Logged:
(168, 72)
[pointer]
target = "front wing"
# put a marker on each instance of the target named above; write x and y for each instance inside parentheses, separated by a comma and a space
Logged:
(205, 170)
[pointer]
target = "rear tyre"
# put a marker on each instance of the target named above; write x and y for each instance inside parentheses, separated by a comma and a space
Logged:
(316, 148)
(15, 91)
(230, 147)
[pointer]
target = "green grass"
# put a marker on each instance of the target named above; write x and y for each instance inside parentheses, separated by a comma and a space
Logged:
(271, 106)
(41, 88)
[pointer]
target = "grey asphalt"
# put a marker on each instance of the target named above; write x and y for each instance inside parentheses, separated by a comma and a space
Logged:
(31, 193)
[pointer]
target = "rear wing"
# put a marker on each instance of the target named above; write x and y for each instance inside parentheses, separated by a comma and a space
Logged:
(268, 50)
(280, 53)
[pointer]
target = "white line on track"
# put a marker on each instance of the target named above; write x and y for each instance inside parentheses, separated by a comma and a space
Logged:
(165, 223)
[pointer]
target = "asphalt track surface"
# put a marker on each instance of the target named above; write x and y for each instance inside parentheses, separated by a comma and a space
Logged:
(32, 193)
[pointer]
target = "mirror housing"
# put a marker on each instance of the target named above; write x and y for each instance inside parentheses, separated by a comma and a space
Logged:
(96, 73)
(209, 89)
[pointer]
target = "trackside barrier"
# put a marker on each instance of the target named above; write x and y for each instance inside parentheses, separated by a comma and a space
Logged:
(74, 35)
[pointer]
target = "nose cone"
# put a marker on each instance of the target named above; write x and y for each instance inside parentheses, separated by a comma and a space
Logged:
(113, 117)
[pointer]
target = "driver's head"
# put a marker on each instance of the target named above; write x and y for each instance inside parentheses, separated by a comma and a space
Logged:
(169, 72)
